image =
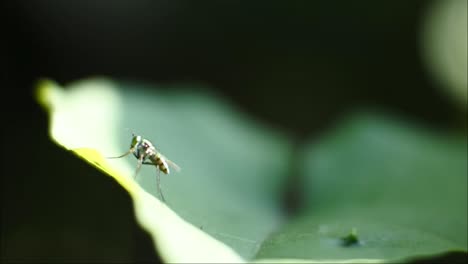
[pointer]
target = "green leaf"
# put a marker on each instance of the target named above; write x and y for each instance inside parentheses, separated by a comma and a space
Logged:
(228, 189)
(402, 191)
(376, 190)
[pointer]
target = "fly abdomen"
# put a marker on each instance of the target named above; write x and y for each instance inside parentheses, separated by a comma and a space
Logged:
(164, 169)
(161, 163)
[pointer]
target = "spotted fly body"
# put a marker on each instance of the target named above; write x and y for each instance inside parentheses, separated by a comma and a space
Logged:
(147, 154)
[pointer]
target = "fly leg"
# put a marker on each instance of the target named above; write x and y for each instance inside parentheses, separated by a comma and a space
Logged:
(158, 179)
(121, 156)
(140, 161)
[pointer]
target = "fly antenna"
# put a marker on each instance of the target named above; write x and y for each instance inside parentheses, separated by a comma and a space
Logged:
(131, 131)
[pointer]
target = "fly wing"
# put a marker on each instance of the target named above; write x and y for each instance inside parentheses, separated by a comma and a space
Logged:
(172, 164)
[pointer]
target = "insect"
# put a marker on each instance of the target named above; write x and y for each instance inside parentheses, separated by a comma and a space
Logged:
(147, 154)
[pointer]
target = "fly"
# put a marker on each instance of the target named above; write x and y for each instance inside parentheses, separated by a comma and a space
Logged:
(147, 154)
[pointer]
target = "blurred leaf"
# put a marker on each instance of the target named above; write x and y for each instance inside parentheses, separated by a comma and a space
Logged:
(376, 190)
(444, 41)
(403, 191)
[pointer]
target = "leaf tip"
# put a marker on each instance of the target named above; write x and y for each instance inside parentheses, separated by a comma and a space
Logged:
(44, 92)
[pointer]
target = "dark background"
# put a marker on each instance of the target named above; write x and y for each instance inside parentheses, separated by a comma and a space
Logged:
(298, 65)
